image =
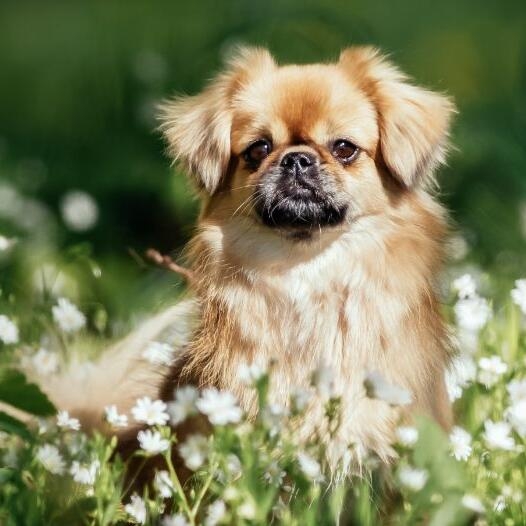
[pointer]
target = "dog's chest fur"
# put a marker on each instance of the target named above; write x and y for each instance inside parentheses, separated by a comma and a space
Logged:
(335, 310)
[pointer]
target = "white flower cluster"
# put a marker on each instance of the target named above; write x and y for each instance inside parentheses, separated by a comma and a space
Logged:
(6, 243)
(516, 412)
(518, 294)
(220, 407)
(413, 479)
(136, 508)
(67, 316)
(460, 441)
(8, 331)
(114, 418)
(472, 311)
(461, 373)
(491, 369)
(79, 210)
(183, 404)
(194, 451)
(407, 435)
(49, 456)
(310, 467)
(85, 473)
(376, 386)
(249, 374)
(66, 422)
(151, 412)
(158, 353)
(152, 441)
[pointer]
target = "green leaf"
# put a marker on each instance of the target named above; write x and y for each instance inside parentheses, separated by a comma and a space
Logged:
(12, 425)
(15, 390)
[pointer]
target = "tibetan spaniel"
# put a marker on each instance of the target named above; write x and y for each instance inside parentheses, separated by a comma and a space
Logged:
(318, 244)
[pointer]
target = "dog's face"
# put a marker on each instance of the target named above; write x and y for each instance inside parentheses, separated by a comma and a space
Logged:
(301, 138)
(304, 150)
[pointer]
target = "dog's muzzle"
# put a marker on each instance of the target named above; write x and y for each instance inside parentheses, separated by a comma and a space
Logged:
(296, 194)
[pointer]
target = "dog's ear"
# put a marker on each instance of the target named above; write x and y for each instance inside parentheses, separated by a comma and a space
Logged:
(414, 122)
(197, 128)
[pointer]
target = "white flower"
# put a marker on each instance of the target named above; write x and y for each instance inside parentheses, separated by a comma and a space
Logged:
(8, 330)
(518, 294)
(300, 399)
(460, 441)
(412, 478)
(376, 386)
(194, 451)
(310, 467)
(183, 405)
(274, 474)
(491, 369)
(472, 313)
(45, 362)
(460, 374)
(247, 510)
(136, 508)
(163, 484)
(6, 243)
(67, 316)
(516, 416)
(273, 415)
(517, 390)
(215, 513)
(220, 407)
(175, 520)
(85, 474)
(66, 422)
(152, 442)
(249, 374)
(324, 381)
(151, 412)
(407, 435)
(472, 503)
(114, 418)
(513, 494)
(458, 247)
(49, 456)
(497, 435)
(158, 353)
(79, 211)
(465, 286)
(500, 504)
(233, 466)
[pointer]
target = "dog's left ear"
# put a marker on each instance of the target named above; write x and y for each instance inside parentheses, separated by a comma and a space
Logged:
(414, 122)
(197, 128)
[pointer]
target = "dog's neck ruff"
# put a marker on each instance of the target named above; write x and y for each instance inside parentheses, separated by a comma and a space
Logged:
(356, 303)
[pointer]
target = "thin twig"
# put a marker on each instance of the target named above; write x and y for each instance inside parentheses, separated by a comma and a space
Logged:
(168, 263)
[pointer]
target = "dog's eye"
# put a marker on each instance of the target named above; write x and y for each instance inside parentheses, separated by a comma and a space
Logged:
(345, 151)
(257, 151)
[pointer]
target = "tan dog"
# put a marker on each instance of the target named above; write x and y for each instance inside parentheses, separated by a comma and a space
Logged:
(317, 242)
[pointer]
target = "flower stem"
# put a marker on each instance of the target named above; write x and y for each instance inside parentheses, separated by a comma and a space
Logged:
(179, 488)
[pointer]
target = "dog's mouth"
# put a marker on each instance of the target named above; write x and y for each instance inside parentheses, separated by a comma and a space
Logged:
(298, 208)
(301, 213)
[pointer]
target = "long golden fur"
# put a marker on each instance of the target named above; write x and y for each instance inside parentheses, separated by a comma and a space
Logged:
(356, 296)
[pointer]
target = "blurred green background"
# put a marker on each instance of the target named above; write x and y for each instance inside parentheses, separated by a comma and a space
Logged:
(78, 89)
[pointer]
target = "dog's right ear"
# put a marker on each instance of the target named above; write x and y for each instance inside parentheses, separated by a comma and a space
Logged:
(197, 128)
(414, 122)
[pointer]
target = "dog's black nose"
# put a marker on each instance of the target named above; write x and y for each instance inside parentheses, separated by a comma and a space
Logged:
(298, 162)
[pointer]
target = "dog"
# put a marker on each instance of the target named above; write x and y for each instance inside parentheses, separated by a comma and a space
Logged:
(319, 242)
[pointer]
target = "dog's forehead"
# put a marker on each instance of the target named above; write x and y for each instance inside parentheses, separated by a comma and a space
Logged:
(313, 102)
